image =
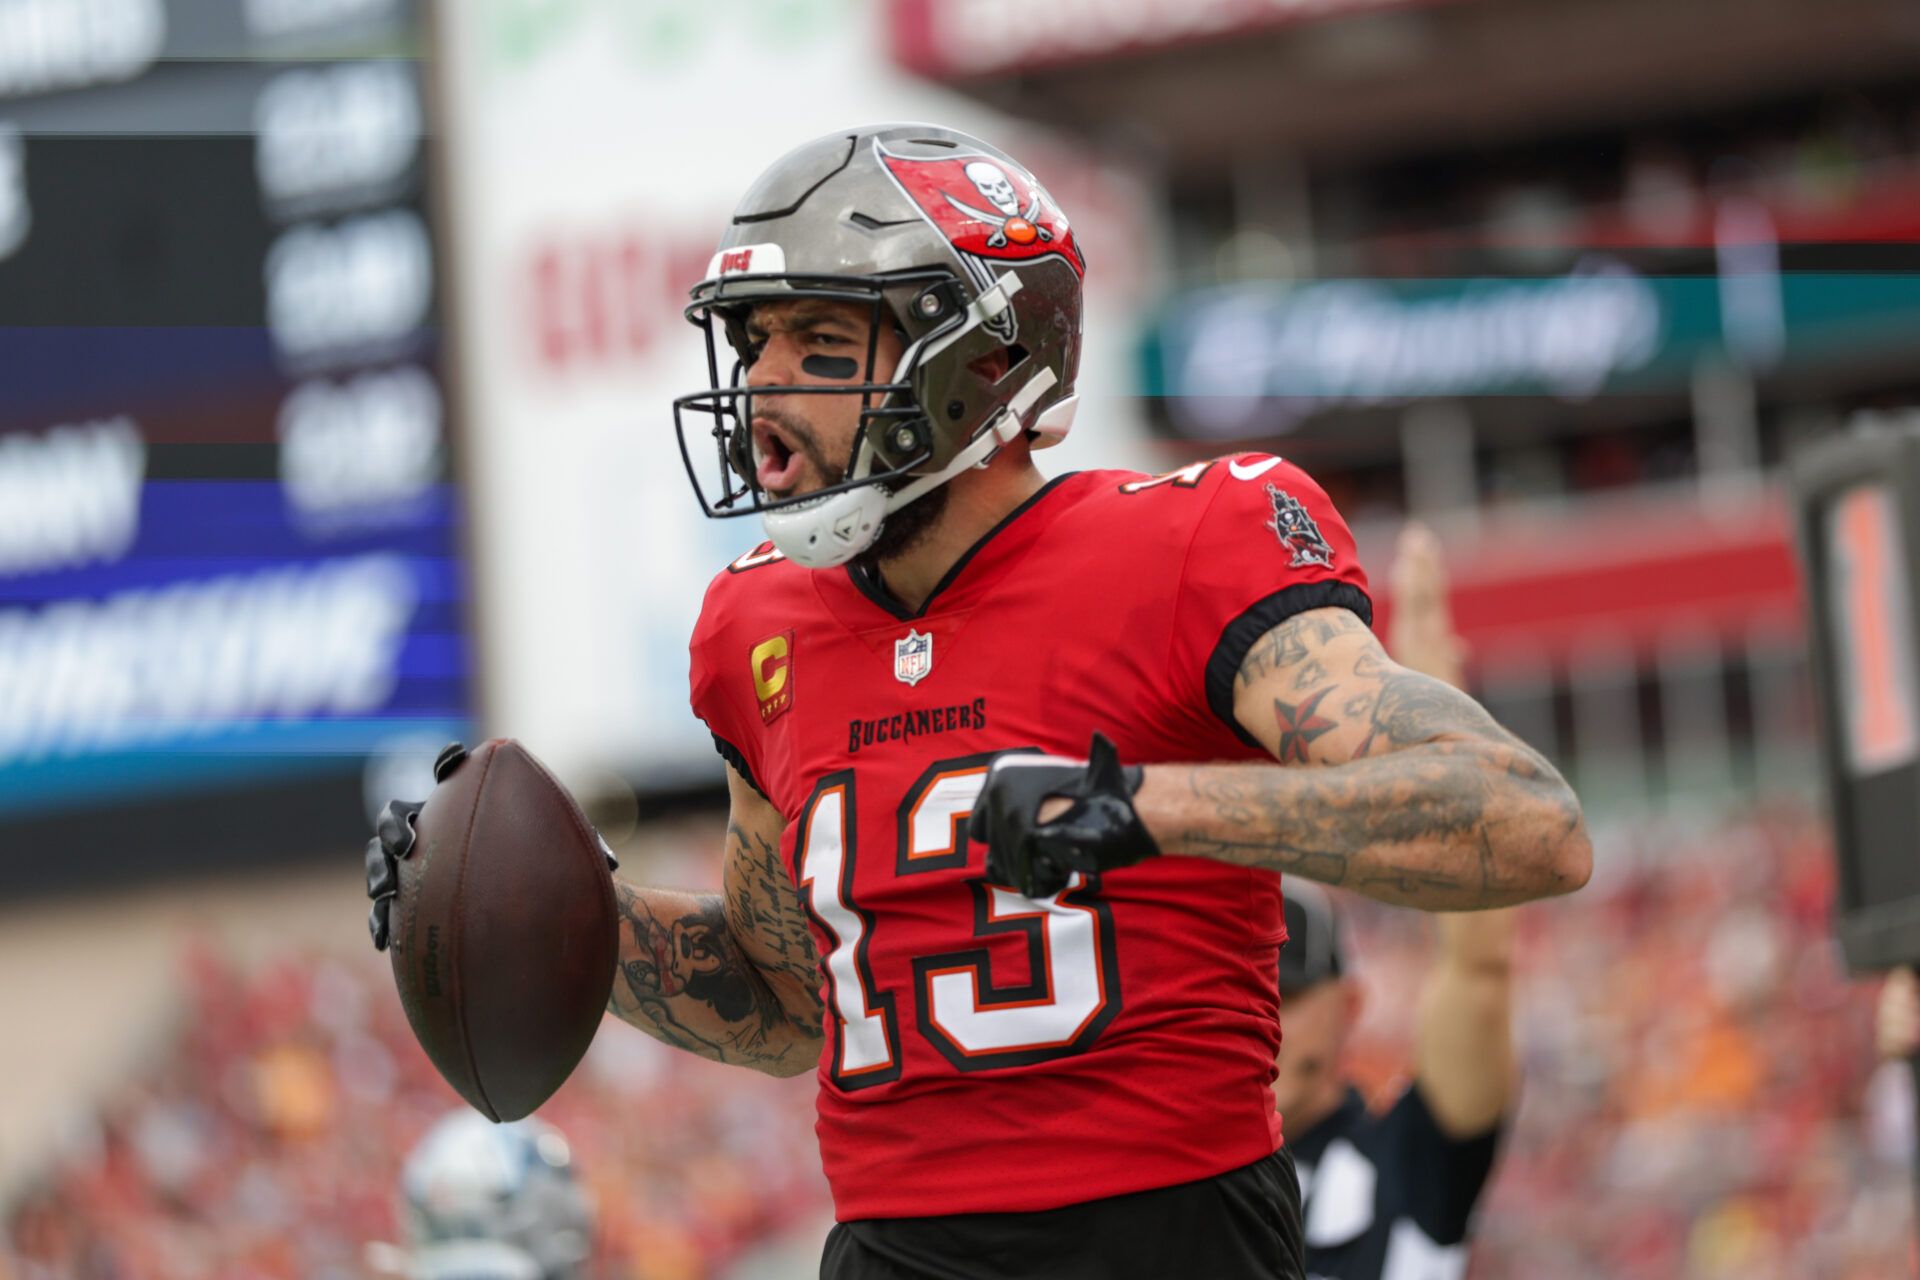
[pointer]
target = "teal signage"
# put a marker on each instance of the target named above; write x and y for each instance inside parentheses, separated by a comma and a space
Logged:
(1258, 357)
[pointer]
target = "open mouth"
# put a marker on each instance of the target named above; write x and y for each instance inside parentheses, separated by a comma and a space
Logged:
(778, 461)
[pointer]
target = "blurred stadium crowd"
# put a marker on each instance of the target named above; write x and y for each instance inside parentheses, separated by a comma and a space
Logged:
(266, 1140)
(1699, 1098)
(1699, 1094)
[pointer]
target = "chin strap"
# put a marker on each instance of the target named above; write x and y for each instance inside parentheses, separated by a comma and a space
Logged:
(1003, 428)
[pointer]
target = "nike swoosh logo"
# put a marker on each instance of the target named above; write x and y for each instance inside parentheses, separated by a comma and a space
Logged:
(1252, 471)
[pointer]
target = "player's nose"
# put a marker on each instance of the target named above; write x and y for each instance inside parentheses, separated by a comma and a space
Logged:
(778, 363)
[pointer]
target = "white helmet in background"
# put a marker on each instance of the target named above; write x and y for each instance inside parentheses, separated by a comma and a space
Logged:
(487, 1201)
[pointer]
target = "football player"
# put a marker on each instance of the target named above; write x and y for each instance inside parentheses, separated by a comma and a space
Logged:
(1016, 765)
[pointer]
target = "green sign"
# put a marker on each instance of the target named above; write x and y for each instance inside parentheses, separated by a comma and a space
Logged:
(1258, 356)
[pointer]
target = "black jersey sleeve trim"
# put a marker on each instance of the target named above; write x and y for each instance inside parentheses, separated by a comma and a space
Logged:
(737, 758)
(1263, 616)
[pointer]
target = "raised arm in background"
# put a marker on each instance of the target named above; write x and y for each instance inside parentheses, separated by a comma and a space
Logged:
(1463, 1044)
(731, 976)
(1896, 1020)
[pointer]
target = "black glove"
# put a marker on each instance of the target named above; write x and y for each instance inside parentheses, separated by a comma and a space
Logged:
(395, 841)
(1099, 832)
(384, 852)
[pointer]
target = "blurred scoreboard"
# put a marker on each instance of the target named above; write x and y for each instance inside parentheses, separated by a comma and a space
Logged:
(232, 596)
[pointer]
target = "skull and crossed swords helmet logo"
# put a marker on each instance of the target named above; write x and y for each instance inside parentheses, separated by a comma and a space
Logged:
(1012, 223)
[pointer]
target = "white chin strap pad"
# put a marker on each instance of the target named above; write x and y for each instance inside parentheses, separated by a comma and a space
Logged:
(836, 528)
(831, 531)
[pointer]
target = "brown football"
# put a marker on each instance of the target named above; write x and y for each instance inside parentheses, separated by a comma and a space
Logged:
(504, 931)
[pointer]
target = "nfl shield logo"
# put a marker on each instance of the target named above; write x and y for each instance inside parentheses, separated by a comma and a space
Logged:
(912, 658)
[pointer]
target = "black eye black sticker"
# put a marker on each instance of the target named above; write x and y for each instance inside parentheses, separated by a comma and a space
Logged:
(837, 367)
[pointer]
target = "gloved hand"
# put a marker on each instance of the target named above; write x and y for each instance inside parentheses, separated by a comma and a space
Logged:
(1099, 831)
(394, 842)
(384, 851)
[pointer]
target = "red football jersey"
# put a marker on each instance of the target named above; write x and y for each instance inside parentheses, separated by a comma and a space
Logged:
(984, 1051)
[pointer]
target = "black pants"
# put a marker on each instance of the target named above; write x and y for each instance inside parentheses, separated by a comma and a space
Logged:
(1242, 1225)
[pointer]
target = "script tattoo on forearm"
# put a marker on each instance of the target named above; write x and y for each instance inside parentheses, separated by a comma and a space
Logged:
(1433, 773)
(762, 904)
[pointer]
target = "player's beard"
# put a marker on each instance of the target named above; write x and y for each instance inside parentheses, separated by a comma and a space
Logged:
(904, 529)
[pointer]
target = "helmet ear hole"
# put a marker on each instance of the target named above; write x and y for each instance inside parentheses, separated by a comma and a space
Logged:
(994, 367)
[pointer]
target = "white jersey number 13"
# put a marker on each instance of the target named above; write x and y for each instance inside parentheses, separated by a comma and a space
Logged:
(974, 1022)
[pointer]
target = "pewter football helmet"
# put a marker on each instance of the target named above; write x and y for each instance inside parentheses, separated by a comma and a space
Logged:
(949, 241)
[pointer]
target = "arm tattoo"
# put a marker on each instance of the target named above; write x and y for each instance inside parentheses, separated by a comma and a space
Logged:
(1343, 826)
(762, 904)
(684, 980)
(1411, 708)
(1285, 647)
(1310, 674)
(1419, 795)
(1300, 724)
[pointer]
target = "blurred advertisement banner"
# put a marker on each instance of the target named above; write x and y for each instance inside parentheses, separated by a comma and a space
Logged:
(595, 153)
(959, 39)
(1247, 360)
(228, 541)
